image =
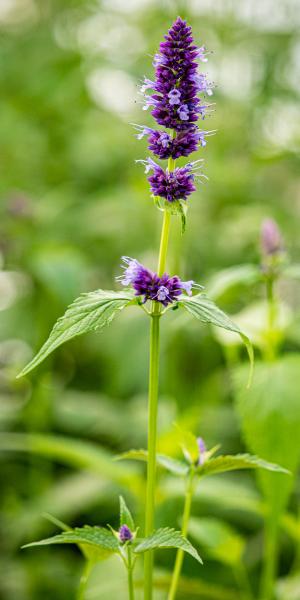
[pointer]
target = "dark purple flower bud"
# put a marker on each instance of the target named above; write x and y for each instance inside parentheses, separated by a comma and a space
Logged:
(271, 240)
(172, 185)
(202, 450)
(150, 286)
(125, 534)
(175, 102)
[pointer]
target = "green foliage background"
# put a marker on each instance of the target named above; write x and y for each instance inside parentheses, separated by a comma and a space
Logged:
(72, 202)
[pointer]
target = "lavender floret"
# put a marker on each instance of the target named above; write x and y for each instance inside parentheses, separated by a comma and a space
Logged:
(150, 286)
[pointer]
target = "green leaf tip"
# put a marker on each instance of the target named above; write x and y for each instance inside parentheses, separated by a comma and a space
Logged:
(89, 312)
(205, 310)
(99, 537)
(125, 515)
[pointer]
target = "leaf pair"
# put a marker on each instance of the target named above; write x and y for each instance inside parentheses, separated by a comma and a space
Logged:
(95, 310)
(105, 541)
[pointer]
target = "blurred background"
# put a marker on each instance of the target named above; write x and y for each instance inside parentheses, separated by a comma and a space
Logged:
(72, 202)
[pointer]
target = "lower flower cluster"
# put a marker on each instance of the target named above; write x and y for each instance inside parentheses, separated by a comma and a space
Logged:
(150, 286)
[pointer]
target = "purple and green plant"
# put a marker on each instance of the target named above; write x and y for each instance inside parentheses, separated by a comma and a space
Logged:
(98, 543)
(178, 98)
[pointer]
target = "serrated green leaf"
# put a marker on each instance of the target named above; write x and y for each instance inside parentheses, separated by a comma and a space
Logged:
(125, 515)
(206, 311)
(89, 312)
(270, 418)
(220, 540)
(98, 537)
(91, 553)
(221, 464)
(167, 538)
(177, 467)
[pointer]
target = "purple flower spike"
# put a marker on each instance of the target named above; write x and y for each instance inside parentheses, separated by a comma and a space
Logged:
(150, 286)
(174, 101)
(271, 240)
(125, 534)
(202, 450)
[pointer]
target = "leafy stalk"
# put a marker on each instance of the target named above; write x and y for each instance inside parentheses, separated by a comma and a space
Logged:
(153, 402)
(184, 530)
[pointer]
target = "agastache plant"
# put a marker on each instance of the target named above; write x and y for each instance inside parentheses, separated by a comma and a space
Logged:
(178, 97)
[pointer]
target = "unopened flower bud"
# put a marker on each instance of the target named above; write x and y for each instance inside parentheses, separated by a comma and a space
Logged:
(271, 240)
(202, 450)
(125, 534)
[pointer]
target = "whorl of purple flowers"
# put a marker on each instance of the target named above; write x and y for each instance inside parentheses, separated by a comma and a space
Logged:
(175, 103)
(171, 185)
(150, 286)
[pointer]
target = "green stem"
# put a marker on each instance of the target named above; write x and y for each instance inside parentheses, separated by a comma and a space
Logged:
(272, 341)
(152, 435)
(153, 403)
(89, 564)
(184, 530)
(243, 582)
(270, 558)
(164, 243)
(130, 575)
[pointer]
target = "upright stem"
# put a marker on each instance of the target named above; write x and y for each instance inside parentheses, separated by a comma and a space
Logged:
(271, 520)
(130, 574)
(184, 530)
(152, 431)
(271, 556)
(242, 580)
(153, 403)
(272, 341)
